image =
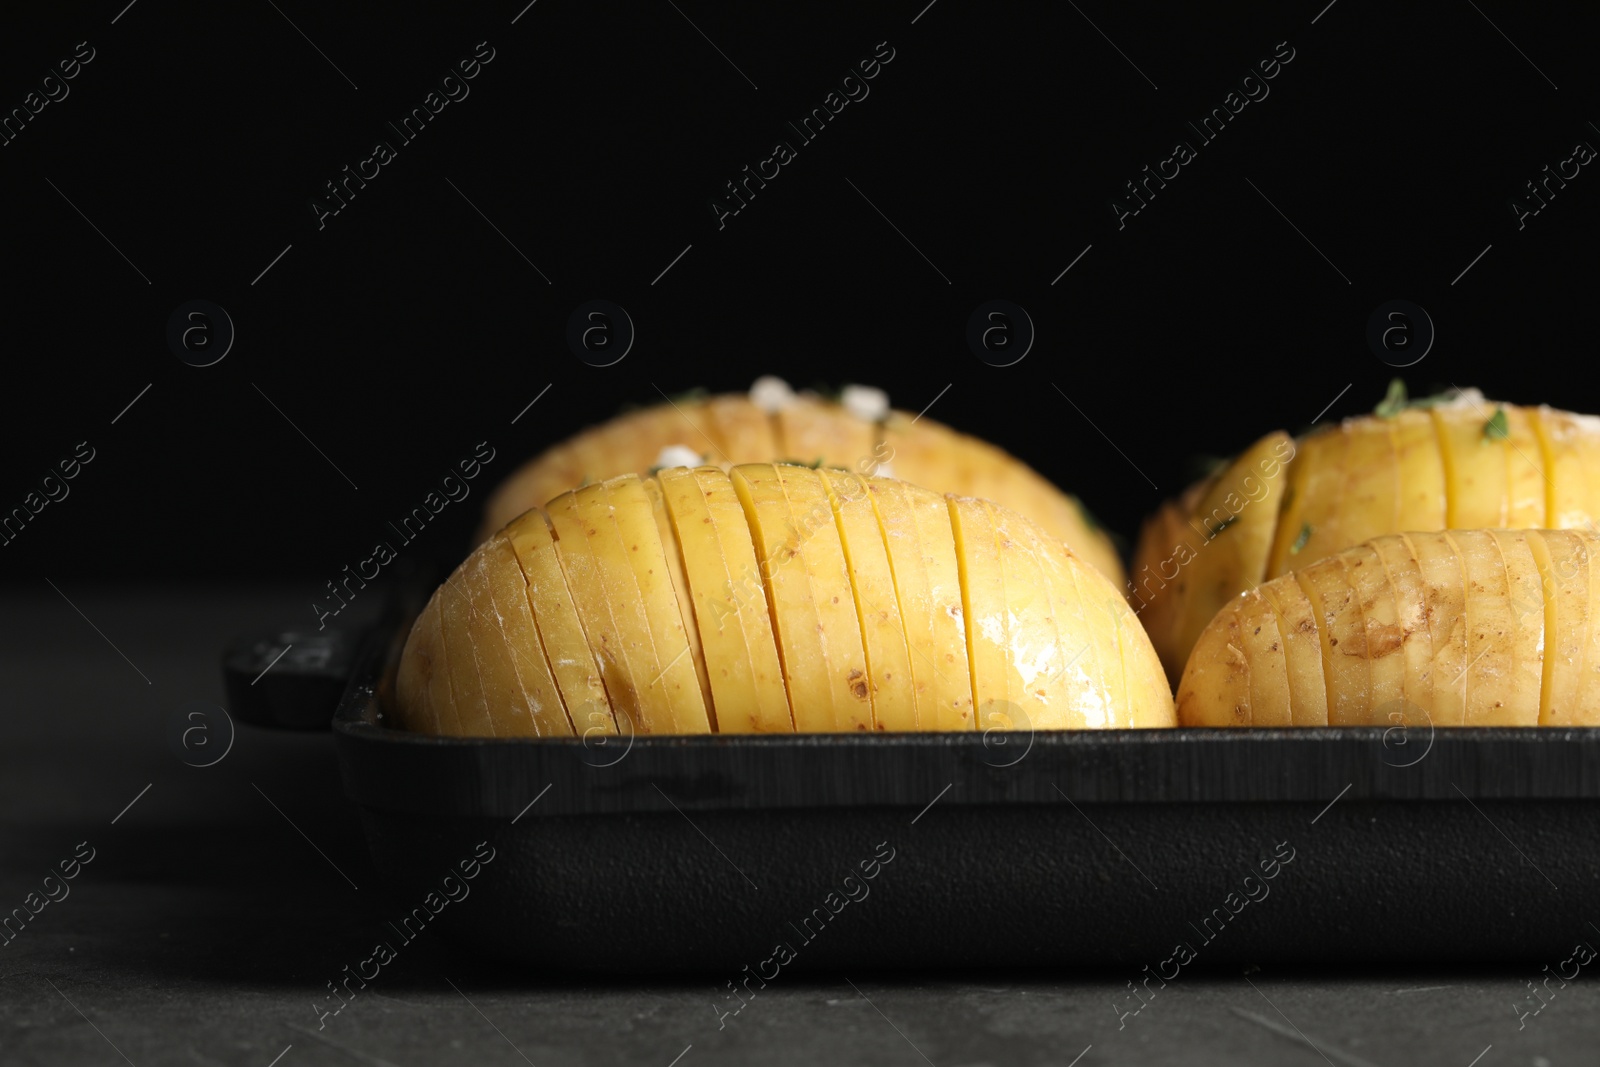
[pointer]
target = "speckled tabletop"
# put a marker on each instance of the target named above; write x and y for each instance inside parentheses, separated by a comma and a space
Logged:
(209, 905)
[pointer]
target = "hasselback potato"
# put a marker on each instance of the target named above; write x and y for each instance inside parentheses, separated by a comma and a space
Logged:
(773, 598)
(1459, 462)
(1452, 628)
(859, 433)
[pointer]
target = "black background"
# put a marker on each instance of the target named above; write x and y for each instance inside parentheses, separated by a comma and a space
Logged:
(408, 329)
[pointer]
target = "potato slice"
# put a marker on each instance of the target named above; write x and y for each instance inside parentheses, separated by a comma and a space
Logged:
(808, 594)
(1505, 617)
(1572, 628)
(1062, 671)
(1302, 650)
(1512, 614)
(1369, 499)
(1308, 527)
(743, 431)
(730, 606)
(1215, 690)
(812, 430)
(1381, 639)
(1338, 614)
(1271, 699)
(573, 664)
(1100, 670)
(1043, 652)
(1570, 448)
(1234, 524)
(607, 601)
(1475, 467)
(1421, 474)
(1445, 607)
(466, 679)
(1411, 614)
(916, 529)
(522, 694)
(986, 610)
(877, 604)
(673, 702)
(673, 551)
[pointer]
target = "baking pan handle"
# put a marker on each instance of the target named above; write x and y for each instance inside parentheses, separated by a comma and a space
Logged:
(290, 679)
(293, 679)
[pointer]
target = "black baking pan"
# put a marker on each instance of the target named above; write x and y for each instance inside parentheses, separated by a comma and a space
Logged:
(747, 855)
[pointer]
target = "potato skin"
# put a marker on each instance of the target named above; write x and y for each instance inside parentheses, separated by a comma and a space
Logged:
(1468, 463)
(1451, 628)
(729, 430)
(610, 595)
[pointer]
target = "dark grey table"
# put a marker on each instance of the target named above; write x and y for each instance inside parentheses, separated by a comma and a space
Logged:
(221, 899)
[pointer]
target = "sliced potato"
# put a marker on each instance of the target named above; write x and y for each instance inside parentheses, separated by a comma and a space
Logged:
(794, 598)
(638, 541)
(570, 657)
(922, 552)
(1509, 639)
(517, 681)
(732, 429)
(877, 604)
(808, 588)
(729, 605)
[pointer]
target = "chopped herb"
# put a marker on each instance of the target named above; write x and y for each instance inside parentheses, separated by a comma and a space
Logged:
(827, 392)
(1300, 540)
(1496, 429)
(653, 471)
(586, 481)
(1394, 401)
(1224, 524)
(691, 396)
(816, 464)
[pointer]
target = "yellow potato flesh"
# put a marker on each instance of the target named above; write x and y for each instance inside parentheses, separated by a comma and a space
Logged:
(811, 430)
(673, 701)
(466, 681)
(808, 589)
(681, 598)
(889, 674)
(916, 529)
(730, 430)
(730, 607)
(1233, 527)
(1421, 474)
(571, 660)
(624, 601)
(517, 684)
(1487, 627)
(607, 600)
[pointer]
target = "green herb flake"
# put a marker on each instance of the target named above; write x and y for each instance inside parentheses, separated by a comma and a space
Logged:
(1497, 429)
(1300, 540)
(585, 482)
(1394, 401)
(816, 464)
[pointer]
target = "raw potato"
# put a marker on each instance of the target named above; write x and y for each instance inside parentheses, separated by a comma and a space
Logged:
(1465, 463)
(730, 429)
(769, 599)
(1450, 628)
